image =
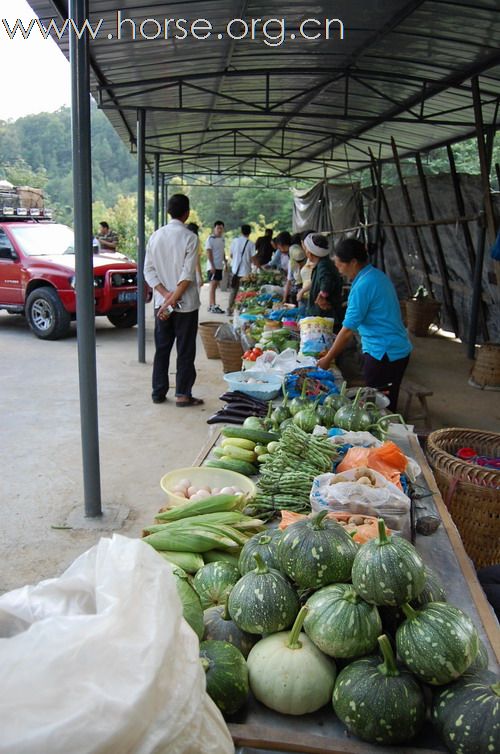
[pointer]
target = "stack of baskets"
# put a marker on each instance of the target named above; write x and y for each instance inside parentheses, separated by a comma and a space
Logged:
(231, 353)
(486, 371)
(420, 314)
(207, 334)
(470, 491)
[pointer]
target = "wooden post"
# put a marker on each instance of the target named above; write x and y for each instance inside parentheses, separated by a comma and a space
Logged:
(459, 200)
(395, 237)
(411, 216)
(443, 272)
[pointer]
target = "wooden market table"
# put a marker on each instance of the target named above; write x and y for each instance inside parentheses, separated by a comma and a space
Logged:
(258, 730)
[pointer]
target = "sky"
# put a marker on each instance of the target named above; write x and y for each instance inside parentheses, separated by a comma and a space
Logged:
(35, 73)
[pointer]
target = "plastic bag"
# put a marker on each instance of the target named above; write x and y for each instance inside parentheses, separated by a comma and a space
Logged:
(101, 661)
(384, 499)
(224, 283)
(225, 333)
(282, 363)
(388, 459)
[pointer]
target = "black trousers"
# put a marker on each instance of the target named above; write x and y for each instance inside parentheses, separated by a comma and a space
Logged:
(385, 375)
(181, 328)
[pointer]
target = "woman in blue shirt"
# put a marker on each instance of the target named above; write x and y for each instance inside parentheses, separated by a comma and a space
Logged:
(373, 310)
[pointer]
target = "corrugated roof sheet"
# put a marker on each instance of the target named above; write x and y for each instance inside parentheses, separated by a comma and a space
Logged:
(299, 108)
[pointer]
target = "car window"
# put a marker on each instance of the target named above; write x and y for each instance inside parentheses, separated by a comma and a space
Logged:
(5, 240)
(39, 240)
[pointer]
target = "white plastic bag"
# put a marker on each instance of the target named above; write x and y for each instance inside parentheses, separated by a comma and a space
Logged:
(384, 499)
(101, 661)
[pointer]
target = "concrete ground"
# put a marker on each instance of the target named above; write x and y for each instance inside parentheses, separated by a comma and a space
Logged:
(41, 485)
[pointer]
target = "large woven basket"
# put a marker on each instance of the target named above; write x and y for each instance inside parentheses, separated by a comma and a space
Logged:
(486, 371)
(231, 353)
(471, 492)
(207, 333)
(420, 314)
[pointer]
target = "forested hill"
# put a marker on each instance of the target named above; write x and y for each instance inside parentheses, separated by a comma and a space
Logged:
(36, 150)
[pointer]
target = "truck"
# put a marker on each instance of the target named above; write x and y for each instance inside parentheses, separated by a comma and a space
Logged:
(37, 272)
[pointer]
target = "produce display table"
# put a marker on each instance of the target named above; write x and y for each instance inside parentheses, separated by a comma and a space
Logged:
(258, 729)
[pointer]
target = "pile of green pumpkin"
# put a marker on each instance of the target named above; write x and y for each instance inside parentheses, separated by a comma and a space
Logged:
(352, 598)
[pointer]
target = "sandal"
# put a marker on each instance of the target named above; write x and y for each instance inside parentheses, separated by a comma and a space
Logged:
(190, 402)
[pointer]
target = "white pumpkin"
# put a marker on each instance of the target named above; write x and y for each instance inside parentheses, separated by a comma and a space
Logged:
(289, 674)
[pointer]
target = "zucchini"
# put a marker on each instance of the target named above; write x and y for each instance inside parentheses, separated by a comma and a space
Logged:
(257, 435)
(232, 464)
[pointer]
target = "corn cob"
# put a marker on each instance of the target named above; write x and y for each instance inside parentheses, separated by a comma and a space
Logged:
(213, 504)
(196, 539)
(188, 561)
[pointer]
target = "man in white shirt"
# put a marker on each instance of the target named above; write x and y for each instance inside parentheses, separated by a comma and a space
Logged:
(170, 269)
(216, 262)
(242, 251)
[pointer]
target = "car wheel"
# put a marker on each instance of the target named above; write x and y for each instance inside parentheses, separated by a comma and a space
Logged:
(46, 315)
(128, 318)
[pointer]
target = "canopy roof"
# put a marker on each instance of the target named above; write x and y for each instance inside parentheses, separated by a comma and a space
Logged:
(303, 109)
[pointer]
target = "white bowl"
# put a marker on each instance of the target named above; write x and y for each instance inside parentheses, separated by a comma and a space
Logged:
(201, 475)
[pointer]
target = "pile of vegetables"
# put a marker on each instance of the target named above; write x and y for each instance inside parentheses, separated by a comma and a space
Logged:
(288, 470)
(276, 609)
(238, 449)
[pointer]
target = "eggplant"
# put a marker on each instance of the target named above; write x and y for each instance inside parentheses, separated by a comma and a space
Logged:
(224, 417)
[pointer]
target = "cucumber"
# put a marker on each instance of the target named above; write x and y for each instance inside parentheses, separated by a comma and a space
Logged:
(241, 454)
(232, 464)
(239, 442)
(257, 435)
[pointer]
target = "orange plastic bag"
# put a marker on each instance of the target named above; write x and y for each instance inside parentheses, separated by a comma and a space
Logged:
(387, 459)
(362, 532)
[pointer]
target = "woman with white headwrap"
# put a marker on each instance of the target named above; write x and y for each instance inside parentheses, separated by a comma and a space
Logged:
(325, 295)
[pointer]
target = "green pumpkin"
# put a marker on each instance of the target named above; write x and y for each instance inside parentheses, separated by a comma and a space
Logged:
(220, 627)
(337, 400)
(340, 623)
(433, 590)
(226, 674)
(353, 417)
(388, 570)
(316, 551)
(480, 662)
(467, 714)
(191, 605)
(438, 642)
(379, 702)
(289, 674)
(263, 602)
(214, 581)
(266, 545)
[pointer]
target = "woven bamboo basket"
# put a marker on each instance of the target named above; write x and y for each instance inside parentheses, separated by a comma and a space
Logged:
(486, 371)
(470, 492)
(231, 354)
(207, 334)
(420, 314)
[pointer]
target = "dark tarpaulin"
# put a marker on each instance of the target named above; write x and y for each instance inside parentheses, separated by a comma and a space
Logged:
(344, 201)
(326, 207)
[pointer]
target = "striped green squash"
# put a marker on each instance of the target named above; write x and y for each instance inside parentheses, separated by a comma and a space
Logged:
(481, 661)
(263, 602)
(379, 702)
(220, 627)
(340, 623)
(388, 570)
(438, 642)
(316, 551)
(467, 714)
(214, 581)
(433, 590)
(265, 544)
(226, 673)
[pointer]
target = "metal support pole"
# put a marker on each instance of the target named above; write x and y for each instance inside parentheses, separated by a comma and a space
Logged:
(156, 186)
(141, 234)
(484, 163)
(84, 269)
(162, 198)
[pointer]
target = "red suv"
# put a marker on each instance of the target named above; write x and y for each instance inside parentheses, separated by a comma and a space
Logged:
(37, 278)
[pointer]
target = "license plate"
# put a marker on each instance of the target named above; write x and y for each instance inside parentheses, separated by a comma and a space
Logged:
(126, 296)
